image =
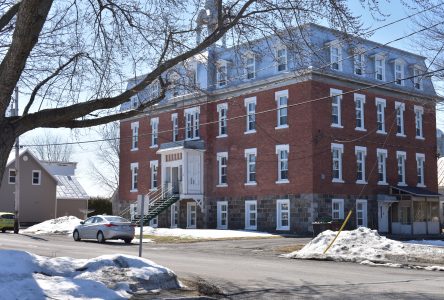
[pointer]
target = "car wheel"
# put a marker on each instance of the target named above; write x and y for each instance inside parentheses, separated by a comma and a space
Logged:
(76, 236)
(100, 237)
(3, 230)
(128, 241)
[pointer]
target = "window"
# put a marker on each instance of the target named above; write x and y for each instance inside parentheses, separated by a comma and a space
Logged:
(419, 111)
(250, 68)
(36, 177)
(399, 73)
(283, 214)
(135, 136)
(222, 158)
(154, 164)
(337, 209)
(382, 166)
(401, 157)
(361, 213)
(154, 222)
(380, 115)
(221, 73)
(400, 107)
(359, 108)
(336, 98)
(282, 109)
(420, 159)
(337, 150)
(281, 56)
(175, 122)
(12, 176)
(191, 215)
(222, 111)
(418, 75)
(250, 156)
(379, 67)
(282, 153)
(359, 63)
(251, 215)
(174, 215)
(222, 214)
(361, 153)
(134, 176)
(250, 105)
(336, 57)
(192, 123)
(154, 131)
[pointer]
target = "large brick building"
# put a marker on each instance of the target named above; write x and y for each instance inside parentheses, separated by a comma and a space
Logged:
(280, 138)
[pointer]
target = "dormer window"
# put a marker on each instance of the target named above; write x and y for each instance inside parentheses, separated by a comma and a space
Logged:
(399, 71)
(380, 67)
(222, 73)
(281, 57)
(335, 57)
(250, 66)
(418, 74)
(359, 63)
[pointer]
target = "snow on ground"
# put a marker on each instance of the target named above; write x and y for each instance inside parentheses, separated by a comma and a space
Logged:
(203, 233)
(366, 246)
(62, 225)
(29, 276)
(437, 243)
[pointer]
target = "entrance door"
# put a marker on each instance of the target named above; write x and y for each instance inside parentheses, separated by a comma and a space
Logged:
(383, 214)
(175, 180)
(361, 213)
(222, 215)
(191, 215)
(251, 215)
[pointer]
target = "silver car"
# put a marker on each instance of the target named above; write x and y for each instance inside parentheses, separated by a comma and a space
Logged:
(104, 228)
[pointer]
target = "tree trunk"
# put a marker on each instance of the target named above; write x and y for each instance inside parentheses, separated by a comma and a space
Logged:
(7, 139)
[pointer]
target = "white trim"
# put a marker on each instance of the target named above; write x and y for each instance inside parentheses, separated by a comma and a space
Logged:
(175, 121)
(340, 210)
(134, 136)
(39, 177)
(154, 165)
(247, 153)
(363, 150)
(173, 208)
(250, 55)
(419, 109)
(277, 96)
(191, 110)
(401, 107)
(279, 149)
(247, 214)
(189, 205)
(219, 157)
(219, 212)
(337, 46)
(420, 157)
(134, 175)
(404, 155)
(364, 212)
(340, 148)
(247, 101)
(401, 63)
(221, 78)
(383, 105)
(154, 132)
(220, 108)
(338, 93)
(380, 57)
(9, 176)
(279, 225)
(360, 97)
(250, 151)
(382, 152)
(281, 47)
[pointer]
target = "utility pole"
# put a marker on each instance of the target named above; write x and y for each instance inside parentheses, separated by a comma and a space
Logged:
(142, 216)
(17, 172)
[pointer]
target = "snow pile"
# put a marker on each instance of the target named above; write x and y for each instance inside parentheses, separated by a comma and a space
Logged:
(436, 243)
(62, 225)
(29, 276)
(203, 233)
(366, 246)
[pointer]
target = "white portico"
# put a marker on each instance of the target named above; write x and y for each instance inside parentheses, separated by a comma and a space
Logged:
(182, 169)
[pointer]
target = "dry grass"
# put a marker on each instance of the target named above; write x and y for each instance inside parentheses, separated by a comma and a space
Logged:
(181, 240)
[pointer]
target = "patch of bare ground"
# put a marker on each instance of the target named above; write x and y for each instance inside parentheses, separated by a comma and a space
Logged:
(288, 248)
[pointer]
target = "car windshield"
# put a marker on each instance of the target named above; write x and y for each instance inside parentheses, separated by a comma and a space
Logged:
(115, 219)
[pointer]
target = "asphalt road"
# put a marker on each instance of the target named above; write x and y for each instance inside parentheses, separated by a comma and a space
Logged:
(251, 269)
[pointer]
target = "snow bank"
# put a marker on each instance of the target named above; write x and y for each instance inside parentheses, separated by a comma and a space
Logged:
(203, 233)
(29, 276)
(436, 243)
(364, 245)
(62, 225)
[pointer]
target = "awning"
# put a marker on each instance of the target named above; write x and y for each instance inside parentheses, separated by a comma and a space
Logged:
(192, 144)
(414, 191)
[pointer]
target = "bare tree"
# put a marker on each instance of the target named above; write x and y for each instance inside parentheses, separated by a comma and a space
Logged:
(70, 58)
(51, 147)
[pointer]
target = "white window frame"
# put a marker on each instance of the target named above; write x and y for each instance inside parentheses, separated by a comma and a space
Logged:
(359, 63)
(279, 212)
(154, 132)
(174, 215)
(10, 176)
(361, 151)
(400, 72)
(154, 173)
(279, 150)
(340, 149)
(283, 57)
(134, 177)
(154, 222)
(175, 123)
(339, 211)
(135, 136)
(380, 103)
(338, 94)
(190, 215)
(364, 212)
(192, 115)
(418, 83)
(220, 167)
(39, 177)
(250, 66)
(222, 77)
(220, 215)
(403, 155)
(400, 108)
(380, 69)
(248, 213)
(222, 110)
(419, 120)
(251, 115)
(248, 153)
(420, 167)
(382, 153)
(336, 59)
(281, 108)
(360, 113)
